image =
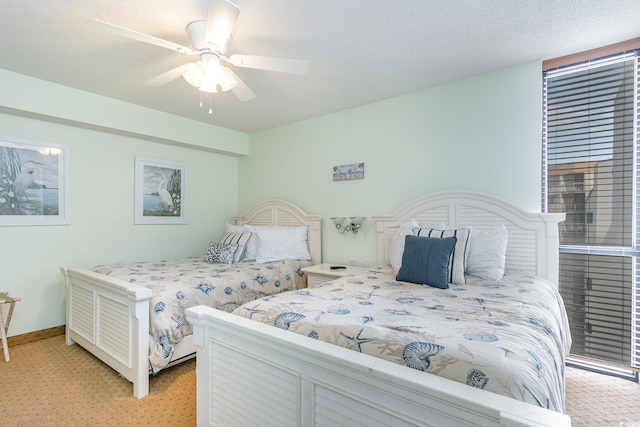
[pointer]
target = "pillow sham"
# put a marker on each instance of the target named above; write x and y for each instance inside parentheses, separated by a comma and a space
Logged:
(236, 228)
(460, 254)
(239, 239)
(278, 243)
(220, 253)
(396, 243)
(488, 252)
(425, 261)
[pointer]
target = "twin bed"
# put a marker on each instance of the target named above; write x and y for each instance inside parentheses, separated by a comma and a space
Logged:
(132, 315)
(496, 347)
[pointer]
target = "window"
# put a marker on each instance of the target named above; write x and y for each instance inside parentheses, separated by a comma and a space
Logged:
(590, 172)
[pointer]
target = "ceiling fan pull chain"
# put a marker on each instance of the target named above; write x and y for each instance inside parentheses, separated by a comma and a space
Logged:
(200, 98)
(210, 110)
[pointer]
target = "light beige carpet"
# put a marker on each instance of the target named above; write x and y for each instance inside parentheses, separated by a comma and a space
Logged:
(601, 401)
(48, 383)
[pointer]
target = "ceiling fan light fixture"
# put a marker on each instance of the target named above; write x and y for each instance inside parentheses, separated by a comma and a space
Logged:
(207, 74)
(228, 82)
(209, 87)
(194, 74)
(210, 39)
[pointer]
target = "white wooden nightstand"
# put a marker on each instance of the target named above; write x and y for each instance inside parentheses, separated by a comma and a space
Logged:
(321, 273)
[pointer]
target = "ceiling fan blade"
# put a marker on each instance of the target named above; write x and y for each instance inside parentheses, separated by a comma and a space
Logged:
(284, 65)
(166, 77)
(221, 15)
(136, 35)
(241, 90)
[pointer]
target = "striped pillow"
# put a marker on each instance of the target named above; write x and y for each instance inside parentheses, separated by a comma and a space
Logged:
(239, 239)
(460, 254)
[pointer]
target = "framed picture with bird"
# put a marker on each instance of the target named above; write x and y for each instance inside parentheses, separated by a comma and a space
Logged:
(34, 183)
(160, 191)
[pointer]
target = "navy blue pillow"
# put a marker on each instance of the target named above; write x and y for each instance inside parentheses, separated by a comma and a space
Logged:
(426, 261)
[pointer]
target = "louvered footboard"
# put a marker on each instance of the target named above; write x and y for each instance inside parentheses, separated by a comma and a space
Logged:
(110, 319)
(249, 373)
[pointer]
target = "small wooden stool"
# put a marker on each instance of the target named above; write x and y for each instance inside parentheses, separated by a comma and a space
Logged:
(4, 327)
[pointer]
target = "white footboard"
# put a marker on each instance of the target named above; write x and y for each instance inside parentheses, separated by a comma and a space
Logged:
(110, 318)
(250, 374)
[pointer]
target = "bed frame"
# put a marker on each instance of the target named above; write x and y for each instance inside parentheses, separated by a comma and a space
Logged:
(110, 317)
(249, 373)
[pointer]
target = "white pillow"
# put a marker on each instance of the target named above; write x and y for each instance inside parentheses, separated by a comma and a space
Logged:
(278, 243)
(236, 228)
(460, 254)
(488, 253)
(396, 244)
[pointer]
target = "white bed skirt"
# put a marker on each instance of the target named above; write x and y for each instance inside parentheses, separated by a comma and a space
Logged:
(251, 374)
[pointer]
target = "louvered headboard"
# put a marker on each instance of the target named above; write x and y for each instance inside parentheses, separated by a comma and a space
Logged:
(283, 213)
(533, 237)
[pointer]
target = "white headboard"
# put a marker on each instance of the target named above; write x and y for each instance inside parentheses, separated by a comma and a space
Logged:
(280, 212)
(533, 237)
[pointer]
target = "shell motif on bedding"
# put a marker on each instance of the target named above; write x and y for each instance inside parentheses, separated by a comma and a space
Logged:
(205, 287)
(540, 324)
(284, 320)
(166, 346)
(476, 378)
(159, 307)
(261, 280)
(416, 354)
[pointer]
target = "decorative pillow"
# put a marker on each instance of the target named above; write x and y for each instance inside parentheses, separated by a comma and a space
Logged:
(220, 253)
(460, 254)
(278, 243)
(426, 261)
(250, 249)
(488, 253)
(396, 244)
(239, 239)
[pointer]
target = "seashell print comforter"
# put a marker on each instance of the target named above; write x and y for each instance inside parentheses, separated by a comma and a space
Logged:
(182, 283)
(509, 337)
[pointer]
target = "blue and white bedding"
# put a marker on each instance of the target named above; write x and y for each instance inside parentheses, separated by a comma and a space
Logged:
(510, 337)
(182, 283)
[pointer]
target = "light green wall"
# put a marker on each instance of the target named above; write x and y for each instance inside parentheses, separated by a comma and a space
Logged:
(481, 134)
(102, 192)
(28, 97)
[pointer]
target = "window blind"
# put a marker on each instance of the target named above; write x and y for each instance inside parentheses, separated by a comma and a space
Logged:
(590, 159)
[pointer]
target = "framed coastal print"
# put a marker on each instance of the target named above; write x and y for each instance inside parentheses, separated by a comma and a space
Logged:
(34, 183)
(160, 191)
(348, 172)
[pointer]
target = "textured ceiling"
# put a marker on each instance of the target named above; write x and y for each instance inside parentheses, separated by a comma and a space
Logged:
(360, 51)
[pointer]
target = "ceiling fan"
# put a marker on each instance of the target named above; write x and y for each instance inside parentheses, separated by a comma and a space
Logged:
(210, 40)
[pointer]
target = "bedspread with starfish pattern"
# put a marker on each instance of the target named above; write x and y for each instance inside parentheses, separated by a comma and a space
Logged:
(182, 283)
(509, 337)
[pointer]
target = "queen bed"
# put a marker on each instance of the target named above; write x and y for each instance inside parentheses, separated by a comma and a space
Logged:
(492, 349)
(132, 315)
